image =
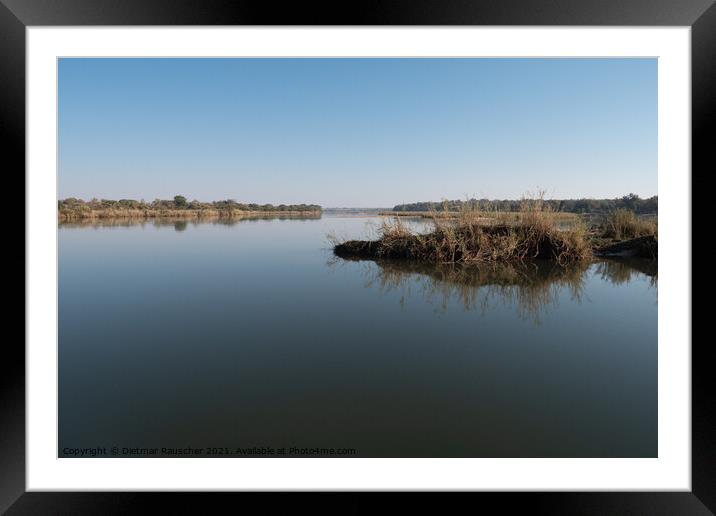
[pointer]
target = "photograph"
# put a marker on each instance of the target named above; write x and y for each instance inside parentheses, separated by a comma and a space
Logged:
(357, 257)
(417, 248)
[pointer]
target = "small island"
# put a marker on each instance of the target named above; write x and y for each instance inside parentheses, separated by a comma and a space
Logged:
(72, 209)
(479, 233)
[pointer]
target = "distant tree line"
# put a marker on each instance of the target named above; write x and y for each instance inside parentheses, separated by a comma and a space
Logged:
(179, 202)
(631, 202)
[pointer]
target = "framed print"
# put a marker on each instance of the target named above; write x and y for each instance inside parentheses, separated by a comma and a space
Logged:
(413, 249)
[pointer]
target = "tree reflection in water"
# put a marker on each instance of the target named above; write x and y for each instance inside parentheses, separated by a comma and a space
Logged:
(623, 271)
(531, 287)
(179, 224)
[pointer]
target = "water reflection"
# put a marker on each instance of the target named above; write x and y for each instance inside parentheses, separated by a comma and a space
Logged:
(241, 337)
(532, 288)
(619, 271)
(179, 224)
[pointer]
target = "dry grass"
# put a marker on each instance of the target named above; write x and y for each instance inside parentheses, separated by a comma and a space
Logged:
(477, 234)
(623, 224)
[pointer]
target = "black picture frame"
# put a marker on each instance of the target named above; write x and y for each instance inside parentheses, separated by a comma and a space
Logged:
(16, 15)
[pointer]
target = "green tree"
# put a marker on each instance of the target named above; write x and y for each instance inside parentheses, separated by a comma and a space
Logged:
(180, 201)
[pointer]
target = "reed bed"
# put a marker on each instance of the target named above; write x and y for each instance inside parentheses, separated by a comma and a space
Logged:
(477, 235)
(623, 224)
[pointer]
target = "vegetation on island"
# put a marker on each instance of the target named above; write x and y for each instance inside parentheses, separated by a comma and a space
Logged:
(71, 209)
(623, 224)
(533, 231)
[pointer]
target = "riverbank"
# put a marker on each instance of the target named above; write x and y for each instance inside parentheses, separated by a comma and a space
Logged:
(188, 214)
(73, 209)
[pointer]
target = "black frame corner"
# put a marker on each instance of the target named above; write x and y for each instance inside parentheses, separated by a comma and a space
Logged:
(16, 15)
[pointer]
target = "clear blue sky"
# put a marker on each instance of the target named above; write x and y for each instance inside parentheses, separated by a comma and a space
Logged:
(356, 132)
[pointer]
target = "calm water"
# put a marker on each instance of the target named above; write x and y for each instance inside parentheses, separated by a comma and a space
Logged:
(235, 337)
